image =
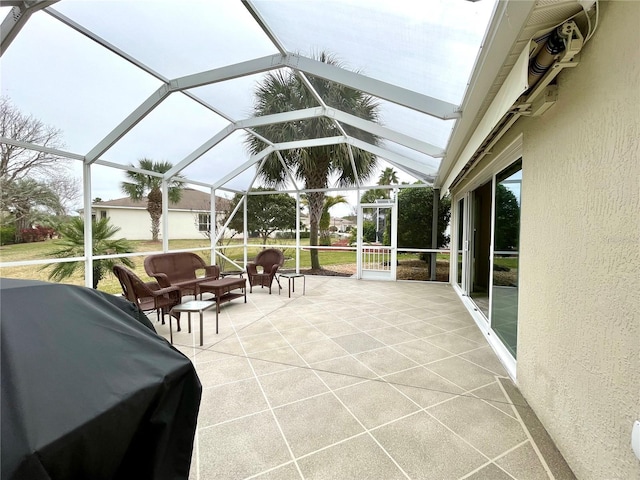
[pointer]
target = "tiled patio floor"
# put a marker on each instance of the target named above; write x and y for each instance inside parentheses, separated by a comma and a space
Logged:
(355, 379)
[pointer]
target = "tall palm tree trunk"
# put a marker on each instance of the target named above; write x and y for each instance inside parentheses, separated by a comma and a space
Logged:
(154, 207)
(316, 202)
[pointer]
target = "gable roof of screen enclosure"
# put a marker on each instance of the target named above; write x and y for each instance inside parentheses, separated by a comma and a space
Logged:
(436, 69)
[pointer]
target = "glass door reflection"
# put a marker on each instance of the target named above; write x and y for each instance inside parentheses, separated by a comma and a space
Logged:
(504, 298)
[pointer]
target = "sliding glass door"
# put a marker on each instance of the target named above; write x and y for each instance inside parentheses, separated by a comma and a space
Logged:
(487, 250)
(480, 246)
(459, 236)
(506, 241)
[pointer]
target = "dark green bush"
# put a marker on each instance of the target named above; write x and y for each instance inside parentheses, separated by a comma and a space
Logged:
(7, 235)
(291, 235)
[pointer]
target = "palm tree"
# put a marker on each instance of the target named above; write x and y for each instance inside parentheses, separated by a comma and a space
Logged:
(325, 217)
(72, 245)
(142, 184)
(388, 177)
(283, 90)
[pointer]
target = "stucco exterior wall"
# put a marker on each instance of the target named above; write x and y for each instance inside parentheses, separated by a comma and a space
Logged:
(135, 224)
(578, 361)
(579, 341)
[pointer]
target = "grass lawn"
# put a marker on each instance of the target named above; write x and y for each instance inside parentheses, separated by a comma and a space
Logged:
(42, 250)
(234, 250)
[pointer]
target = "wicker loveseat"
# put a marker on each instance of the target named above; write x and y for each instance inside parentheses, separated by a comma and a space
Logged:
(179, 269)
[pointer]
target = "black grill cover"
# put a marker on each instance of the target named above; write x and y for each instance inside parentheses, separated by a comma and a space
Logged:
(89, 390)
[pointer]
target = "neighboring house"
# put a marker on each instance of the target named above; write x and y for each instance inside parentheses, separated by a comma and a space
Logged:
(188, 219)
(342, 224)
(560, 306)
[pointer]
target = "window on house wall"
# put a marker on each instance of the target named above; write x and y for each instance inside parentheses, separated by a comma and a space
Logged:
(204, 222)
(103, 214)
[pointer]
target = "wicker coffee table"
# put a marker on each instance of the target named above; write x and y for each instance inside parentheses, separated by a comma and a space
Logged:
(225, 290)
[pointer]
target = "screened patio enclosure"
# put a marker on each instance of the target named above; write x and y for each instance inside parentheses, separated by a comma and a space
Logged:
(175, 81)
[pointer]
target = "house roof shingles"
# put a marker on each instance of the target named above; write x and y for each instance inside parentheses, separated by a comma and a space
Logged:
(191, 200)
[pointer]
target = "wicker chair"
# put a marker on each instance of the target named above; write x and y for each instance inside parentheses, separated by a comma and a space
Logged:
(148, 296)
(270, 260)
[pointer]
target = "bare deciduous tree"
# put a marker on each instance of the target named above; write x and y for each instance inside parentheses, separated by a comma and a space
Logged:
(68, 189)
(33, 184)
(19, 162)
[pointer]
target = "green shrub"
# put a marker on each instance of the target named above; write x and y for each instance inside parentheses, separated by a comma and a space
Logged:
(291, 235)
(368, 233)
(7, 235)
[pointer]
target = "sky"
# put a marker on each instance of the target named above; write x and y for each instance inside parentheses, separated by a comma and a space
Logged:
(68, 81)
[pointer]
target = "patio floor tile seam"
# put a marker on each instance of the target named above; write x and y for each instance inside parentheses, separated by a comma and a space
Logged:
(273, 469)
(231, 420)
(498, 456)
(491, 401)
(425, 410)
(366, 430)
(240, 380)
(456, 355)
(455, 332)
(451, 354)
(303, 326)
(300, 400)
(424, 337)
(338, 389)
(327, 447)
(530, 438)
(477, 364)
(376, 377)
(481, 467)
(273, 415)
(368, 433)
(454, 395)
(466, 392)
(498, 374)
(509, 450)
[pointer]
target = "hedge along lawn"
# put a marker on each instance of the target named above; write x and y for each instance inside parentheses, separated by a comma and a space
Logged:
(109, 284)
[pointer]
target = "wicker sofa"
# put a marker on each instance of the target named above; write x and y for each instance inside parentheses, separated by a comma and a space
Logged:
(179, 269)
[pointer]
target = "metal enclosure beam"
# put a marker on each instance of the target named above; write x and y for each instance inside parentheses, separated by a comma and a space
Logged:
(387, 133)
(335, 114)
(313, 142)
(392, 157)
(252, 161)
(282, 117)
(125, 56)
(88, 226)
(128, 123)
(201, 150)
(17, 18)
(264, 26)
(402, 96)
(40, 148)
(229, 72)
